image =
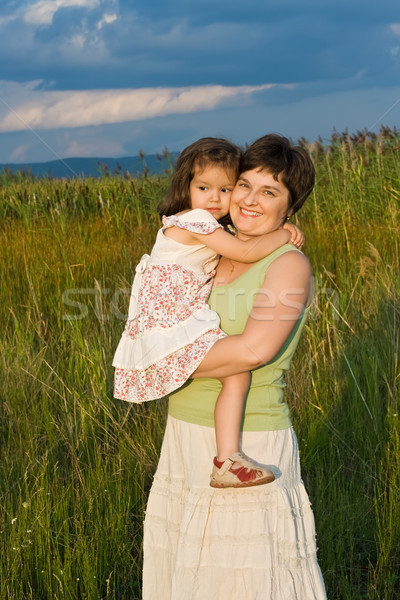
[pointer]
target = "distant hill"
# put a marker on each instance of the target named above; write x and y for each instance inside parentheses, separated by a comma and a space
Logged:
(95, 167)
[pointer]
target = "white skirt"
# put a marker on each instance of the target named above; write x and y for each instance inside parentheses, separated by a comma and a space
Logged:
(202, 543)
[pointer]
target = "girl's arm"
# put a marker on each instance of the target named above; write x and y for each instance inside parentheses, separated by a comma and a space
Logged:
(246, 251)
(222, 242)
(276, 309)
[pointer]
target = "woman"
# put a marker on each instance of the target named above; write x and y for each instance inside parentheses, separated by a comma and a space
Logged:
(204, 543)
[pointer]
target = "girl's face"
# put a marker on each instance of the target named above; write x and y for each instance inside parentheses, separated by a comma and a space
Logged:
(259, 203)
(211, 189)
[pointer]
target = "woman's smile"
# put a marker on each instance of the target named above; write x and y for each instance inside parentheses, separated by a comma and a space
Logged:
(249, 213)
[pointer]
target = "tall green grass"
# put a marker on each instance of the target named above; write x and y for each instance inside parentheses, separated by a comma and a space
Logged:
(76, 465)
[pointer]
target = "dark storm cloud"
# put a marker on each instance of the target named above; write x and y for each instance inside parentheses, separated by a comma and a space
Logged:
(185, 43)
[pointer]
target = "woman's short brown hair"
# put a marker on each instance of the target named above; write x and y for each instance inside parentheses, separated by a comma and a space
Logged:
(204, 152)
(277, 155)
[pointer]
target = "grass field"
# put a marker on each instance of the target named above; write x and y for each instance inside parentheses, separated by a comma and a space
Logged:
(76, 465)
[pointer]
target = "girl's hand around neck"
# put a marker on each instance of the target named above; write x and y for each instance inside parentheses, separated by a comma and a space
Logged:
(228, 270)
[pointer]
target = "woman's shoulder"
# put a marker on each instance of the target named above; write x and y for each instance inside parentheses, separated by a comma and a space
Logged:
(291, 270)
(288, 256)
(283, 258)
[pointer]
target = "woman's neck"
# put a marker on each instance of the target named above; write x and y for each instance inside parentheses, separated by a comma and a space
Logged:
(228, 270)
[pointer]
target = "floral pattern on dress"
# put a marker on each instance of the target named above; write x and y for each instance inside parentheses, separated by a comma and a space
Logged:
(169, 295)
(165, 376)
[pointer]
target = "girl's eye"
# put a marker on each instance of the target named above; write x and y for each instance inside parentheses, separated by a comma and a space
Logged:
(226, 190)
(203, 188)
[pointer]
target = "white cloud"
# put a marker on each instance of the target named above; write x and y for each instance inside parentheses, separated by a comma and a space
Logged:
(106, 20)
(78, 41)
(68, 109)
(20, 153)
(395, 28)
(91, 148)
(8, 19)
(42, 12)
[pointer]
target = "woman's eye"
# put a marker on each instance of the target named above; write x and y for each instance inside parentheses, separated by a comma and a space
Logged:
(243, 185)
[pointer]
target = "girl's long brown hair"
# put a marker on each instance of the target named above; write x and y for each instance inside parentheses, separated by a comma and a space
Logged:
(204, 152)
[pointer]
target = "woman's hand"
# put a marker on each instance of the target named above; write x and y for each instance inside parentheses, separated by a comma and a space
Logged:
(297, 236)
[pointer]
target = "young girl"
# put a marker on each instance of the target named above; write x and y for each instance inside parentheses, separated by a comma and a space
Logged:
(170, 326)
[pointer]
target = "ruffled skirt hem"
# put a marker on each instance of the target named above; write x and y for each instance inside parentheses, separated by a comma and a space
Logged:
(166, 375)
(228, 544)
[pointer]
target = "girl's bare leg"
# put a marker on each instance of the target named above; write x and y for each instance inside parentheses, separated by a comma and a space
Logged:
(231, 468)
(228, 413)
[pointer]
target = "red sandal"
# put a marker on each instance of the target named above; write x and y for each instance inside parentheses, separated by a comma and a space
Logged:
(246, 473)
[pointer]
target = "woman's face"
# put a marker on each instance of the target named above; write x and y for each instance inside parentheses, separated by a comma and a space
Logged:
(259, 203)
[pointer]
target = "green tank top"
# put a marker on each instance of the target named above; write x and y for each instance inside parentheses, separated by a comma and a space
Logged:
(265, 408)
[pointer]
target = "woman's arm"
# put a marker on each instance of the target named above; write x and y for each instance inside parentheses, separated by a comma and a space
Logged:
(276, 309)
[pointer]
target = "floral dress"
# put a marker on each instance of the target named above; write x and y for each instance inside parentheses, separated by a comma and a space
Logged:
(170, 326)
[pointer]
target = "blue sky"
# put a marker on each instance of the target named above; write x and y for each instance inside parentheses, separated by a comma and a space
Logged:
(110, 77)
